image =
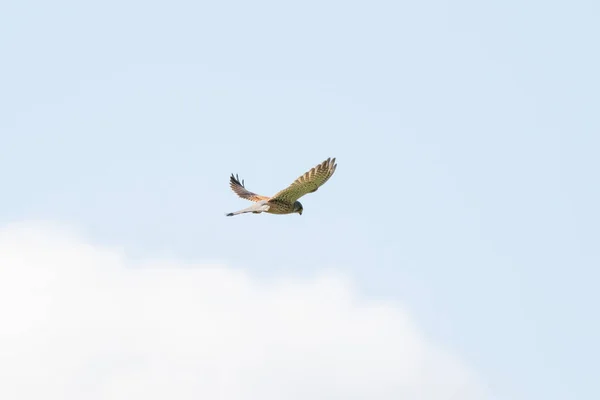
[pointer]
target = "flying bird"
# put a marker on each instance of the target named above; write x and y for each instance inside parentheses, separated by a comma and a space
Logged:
(286, 200)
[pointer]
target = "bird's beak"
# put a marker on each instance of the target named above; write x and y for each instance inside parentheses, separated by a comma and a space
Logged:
(300, 212)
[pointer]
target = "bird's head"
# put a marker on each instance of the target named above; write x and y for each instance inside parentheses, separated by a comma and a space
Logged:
(298, 207)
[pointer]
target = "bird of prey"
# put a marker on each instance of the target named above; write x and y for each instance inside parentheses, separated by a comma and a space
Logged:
(286, 200)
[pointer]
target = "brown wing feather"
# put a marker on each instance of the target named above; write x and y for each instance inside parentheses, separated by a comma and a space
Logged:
(240, 190)
(309, 182)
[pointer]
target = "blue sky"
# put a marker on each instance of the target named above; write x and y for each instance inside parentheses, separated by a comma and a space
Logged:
(466, 136)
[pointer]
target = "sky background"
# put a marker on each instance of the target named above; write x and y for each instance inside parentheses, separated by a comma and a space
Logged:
(466, 136)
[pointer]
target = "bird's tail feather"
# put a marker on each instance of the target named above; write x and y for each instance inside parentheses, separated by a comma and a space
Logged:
(255, 208)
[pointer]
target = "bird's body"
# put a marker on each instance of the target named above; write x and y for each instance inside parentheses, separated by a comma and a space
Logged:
(286, 200)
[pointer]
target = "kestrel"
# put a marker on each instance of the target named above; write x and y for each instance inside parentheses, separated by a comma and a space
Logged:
(285, 201)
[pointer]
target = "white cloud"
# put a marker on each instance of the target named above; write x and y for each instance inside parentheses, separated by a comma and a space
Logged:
(82, 322)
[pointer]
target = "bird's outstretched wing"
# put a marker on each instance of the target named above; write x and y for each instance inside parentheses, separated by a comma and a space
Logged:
(240, 190)
(309, 182)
